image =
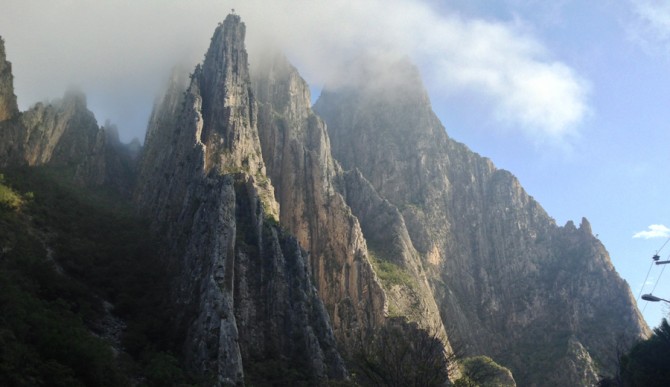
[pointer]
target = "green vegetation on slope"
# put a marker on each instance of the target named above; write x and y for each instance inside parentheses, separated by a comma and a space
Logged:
(646, 364)
(50, 325)
(390, 273)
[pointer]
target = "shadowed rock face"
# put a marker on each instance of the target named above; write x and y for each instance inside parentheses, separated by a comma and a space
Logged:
(243, 290)
(509, 282)
(62, 133)
(407, 223)
(8, 106)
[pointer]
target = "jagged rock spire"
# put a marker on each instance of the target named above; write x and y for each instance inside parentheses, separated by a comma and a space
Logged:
(228, 106)
(8, 106)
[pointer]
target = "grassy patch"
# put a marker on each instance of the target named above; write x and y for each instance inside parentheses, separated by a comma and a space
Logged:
(9, 199)
(390, 273)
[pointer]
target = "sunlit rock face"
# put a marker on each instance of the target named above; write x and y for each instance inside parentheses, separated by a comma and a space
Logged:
(296, 150)
(243, 290)
(508, 281)
(383, 217)
(204, 124)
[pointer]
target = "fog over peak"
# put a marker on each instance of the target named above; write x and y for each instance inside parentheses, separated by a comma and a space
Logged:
(121, 53)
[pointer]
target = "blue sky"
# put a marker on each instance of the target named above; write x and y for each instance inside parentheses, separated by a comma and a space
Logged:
(611, 167)
(571, 96)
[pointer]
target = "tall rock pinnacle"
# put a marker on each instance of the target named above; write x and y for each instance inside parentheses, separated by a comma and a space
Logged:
(228, 108)
(8, 107)
(211, 128)
(244, 284)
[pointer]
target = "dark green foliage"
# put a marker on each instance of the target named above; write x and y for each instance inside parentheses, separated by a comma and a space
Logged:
(648, 362)
(48, 318)
(163, 369)
(44, 339)
(402, 354)
(482, 371)
(274, 373)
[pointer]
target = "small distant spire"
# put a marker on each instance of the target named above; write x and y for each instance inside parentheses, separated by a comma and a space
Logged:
(232, 11)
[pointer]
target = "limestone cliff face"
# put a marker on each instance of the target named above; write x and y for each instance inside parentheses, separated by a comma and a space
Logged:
(210, 126)
(62, 134)
(8, 106)
(65, 134)
(243, 288)
(245, 291)
(228, 108)
(296, 150)
(509, 282)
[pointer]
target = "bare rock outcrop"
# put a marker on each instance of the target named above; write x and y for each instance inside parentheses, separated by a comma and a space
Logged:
(243, 288)
(296, 150)
(245, 292)
(8, 107)
(509, 282)
(63, 134)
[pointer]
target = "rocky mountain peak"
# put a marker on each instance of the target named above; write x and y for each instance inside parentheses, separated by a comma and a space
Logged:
(203, 179)
(585, 227)
(228, 106)
(395, 135)
(8, 106)
(507, 280)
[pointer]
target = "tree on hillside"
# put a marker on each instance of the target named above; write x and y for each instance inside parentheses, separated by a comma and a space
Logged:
(648, 362)
(482, 371)
(402, 354)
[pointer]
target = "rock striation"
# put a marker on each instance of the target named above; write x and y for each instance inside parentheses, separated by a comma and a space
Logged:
(62, 134)
(65, 135)
(509, 282)
(245, 297)
(296, 150)
(383, 218)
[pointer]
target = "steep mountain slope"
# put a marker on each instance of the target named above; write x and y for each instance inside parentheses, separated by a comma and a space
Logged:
(509, 282)
(245, 300)
(297, 152)
(322, 206)
(383, 218)
(8, 106)
(62, 133)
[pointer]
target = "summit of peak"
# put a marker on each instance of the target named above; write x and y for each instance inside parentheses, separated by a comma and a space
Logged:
(381, 77)
(8, 105)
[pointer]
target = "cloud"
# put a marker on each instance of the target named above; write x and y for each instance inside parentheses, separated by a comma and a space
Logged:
(543, 96)
(654, 231)
(120, 52)
(500, 62)
(651, 25)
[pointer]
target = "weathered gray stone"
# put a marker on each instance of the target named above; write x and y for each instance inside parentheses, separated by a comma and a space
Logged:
(296, 150)
(509, 282)
(8, 107)
(243, 291)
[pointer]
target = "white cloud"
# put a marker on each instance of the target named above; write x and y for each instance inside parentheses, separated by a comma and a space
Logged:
(543, 96)
(651, 27)
(122, 49)
(654, 231)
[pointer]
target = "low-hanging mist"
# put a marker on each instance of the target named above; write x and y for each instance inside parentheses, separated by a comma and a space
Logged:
(119, 53)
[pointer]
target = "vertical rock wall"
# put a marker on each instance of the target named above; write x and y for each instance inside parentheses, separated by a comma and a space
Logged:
(244, 292)
(8, 106)
(296, 150)
(509, 282)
